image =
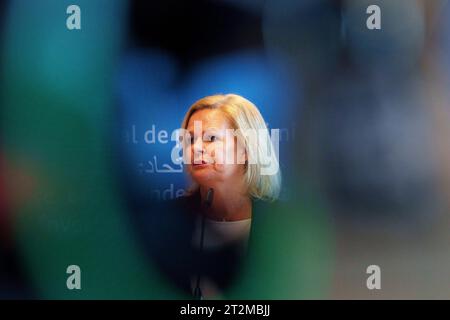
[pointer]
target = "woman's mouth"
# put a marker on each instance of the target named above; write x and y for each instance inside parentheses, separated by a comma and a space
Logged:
(200, 164)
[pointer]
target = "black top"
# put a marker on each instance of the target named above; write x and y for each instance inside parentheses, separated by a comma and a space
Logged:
(169, 230)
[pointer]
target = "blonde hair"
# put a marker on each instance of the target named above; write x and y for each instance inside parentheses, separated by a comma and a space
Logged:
(245, 115)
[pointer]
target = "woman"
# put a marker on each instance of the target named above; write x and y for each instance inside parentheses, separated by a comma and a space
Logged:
(221, 118)
(225, 141)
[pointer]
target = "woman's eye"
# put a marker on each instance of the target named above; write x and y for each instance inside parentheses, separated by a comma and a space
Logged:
(210, 138)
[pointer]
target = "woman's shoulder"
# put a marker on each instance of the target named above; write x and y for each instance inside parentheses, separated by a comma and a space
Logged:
(187, 201)
(264, 206)
(267, 211)
(181, 207)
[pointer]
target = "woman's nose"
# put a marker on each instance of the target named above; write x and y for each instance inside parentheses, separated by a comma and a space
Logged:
(198, 146)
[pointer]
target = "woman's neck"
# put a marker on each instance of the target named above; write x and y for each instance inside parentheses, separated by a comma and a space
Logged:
(227, 205)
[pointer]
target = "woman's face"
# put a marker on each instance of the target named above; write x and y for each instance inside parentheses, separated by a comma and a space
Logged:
(216, 156)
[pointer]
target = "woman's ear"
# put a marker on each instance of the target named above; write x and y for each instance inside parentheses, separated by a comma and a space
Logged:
(245, 157)
(240, 152)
